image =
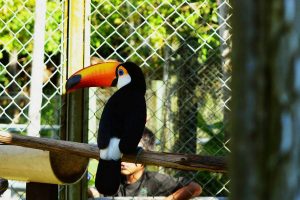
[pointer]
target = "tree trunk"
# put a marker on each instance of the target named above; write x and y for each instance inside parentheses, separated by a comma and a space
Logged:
(186, 123)
(164, 122)
(266, 100)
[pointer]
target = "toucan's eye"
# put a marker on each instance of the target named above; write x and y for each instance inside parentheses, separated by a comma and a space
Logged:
(120, 72)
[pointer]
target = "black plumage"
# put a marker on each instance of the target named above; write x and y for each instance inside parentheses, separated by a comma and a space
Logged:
(3, 185)
(123, 117)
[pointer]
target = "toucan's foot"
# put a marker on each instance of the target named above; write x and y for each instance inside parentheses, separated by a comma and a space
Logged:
(139, 151)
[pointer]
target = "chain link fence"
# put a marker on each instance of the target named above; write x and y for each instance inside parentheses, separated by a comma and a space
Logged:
(16, 63)
(181, 46)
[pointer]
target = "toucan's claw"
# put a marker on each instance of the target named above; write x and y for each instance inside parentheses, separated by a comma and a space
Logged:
(139, 151)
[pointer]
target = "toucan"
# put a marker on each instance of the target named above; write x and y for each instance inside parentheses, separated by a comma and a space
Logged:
(123, 118)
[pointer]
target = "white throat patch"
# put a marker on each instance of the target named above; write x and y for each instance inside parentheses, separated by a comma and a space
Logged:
(123, 80)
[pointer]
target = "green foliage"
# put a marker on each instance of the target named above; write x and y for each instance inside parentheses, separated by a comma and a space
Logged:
(92, 169)
(214, 130)
(3, 79)
(213, 183)
(53, 35)
(17, 24)
(17, 29)
(141, 30)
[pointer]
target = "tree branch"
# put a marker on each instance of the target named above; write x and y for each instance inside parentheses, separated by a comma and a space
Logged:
(170, 160)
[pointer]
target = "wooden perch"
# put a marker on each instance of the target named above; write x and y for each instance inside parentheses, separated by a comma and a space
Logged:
(170, 160)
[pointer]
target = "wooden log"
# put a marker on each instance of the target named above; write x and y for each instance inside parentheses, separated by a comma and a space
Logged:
(170, 160)
(35, 165)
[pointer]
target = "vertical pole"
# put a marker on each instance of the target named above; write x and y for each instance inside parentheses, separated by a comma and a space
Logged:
(36, 86)
(92, 122)
(76, 104)
(36, 191)
(265, 100)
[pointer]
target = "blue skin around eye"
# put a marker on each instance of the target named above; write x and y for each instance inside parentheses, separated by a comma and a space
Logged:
(121, 72)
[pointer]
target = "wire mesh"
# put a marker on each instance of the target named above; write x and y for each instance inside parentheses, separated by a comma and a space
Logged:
(182, 47)
(16, 58)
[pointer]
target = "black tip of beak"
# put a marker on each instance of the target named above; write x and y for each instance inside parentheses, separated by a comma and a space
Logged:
(73, 81)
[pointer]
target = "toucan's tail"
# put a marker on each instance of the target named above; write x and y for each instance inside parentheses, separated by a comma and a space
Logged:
(108, 177)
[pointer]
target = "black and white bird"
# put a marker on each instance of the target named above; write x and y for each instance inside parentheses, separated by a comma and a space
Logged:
(123, 119)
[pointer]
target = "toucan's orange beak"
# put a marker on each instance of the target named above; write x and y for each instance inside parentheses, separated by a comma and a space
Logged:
(99, 75)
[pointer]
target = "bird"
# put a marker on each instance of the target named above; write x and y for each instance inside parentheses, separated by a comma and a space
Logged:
(123, 118)
(3, 185)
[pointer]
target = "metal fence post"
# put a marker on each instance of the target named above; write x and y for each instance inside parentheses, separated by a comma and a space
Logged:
(76, 112)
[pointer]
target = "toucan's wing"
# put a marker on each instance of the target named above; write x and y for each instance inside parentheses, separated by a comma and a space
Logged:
(134, 123)
(106, 124)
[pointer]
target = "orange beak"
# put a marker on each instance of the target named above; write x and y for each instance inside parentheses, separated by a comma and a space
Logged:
(99, 75)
